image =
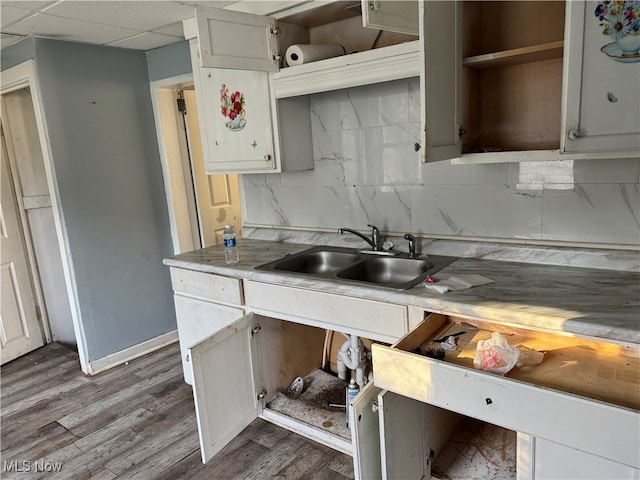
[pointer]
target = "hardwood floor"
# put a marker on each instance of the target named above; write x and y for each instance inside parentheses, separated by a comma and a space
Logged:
(133, 421)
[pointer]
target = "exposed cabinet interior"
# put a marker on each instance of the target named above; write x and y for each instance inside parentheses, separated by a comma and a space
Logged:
(279, 352)
(336, 22)
(371, 55)
(583, 381)
(289, 350)
(601, 371)
(512, 75)
(477, 450)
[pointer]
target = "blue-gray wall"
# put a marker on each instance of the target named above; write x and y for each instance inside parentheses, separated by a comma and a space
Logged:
(98, 112)
(169, 61)
(17, 53)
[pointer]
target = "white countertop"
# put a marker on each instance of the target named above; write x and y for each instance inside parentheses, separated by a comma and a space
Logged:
(585, 301)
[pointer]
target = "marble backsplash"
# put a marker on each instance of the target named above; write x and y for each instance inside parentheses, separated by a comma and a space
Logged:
(366, 171)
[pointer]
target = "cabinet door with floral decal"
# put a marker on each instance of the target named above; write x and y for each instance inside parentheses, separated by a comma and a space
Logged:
(236, 109)
(601, 94)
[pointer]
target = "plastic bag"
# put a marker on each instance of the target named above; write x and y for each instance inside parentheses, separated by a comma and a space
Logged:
(495, 355)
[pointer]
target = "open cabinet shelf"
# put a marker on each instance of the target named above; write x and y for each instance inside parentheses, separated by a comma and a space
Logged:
(362, 68)
(516, 56)
(512, 74)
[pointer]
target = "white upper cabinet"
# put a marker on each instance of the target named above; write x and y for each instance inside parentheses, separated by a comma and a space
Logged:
(548, 88)
(602, 81)
(392, 16)
(439, 81)
(253, 108)
(229, 39)
(236, 113)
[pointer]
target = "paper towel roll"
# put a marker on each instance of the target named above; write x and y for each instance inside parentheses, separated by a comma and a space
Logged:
(301, 53)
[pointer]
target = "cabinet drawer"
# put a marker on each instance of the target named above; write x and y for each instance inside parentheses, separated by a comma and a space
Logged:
(582, 387)
(197, 319)
(368, 318)
(207, 286)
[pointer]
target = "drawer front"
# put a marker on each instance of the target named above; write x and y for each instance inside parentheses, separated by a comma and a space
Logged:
(513, 404)
(207, 286)
(374, 320)
(198, 319)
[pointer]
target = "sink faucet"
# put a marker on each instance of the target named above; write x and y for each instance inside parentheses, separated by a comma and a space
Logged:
(375, 241)
(412, 244)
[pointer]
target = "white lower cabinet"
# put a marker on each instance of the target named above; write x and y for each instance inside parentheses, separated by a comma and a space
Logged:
(204, 304)
(224, 385)
(197, 319)
(242, 372)
(575, 415)
(553, 461)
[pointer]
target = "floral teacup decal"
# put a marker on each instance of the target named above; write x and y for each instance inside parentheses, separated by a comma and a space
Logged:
(621, 21)
(232, 107)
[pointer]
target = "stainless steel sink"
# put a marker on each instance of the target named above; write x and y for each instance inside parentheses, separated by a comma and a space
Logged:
(375, 268)
(316, 262)
(391, 271)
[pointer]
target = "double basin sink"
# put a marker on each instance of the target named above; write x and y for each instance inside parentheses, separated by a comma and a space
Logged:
(378, 268)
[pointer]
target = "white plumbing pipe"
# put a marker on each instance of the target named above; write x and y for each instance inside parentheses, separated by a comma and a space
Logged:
(351, 355)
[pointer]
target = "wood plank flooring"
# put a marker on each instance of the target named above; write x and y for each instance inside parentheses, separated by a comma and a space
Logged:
(134, 421)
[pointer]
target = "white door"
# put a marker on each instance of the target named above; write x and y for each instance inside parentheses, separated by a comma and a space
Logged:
(20, 330)
(404, 445)
(440, 85)
(217, 196)
(393, 16)
(365, 433)
(224, 382)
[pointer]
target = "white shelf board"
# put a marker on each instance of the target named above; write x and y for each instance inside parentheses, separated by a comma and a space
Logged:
(362, 68)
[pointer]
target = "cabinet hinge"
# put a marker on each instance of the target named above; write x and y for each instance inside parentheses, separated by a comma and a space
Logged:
(255, 329)
(461, 132)
(262, 393)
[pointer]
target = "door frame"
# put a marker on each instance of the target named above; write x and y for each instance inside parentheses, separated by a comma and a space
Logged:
(27, 243)
(21, 76)
(180, 191)
(174, 158)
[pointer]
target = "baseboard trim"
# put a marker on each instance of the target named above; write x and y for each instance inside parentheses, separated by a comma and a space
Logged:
(130, 353)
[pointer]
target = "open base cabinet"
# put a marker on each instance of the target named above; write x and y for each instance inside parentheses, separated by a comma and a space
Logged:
(581, 403)
(244, 370)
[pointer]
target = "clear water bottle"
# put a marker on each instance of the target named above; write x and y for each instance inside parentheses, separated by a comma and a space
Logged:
(230, 244)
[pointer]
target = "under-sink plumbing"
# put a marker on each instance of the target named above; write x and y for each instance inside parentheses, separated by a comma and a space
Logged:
(352, 356)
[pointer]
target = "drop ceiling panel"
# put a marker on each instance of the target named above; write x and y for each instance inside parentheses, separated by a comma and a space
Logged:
(26, 5)
(69, 29)
(175, 29)
(10, 15)
(136, 15)
(144, 41)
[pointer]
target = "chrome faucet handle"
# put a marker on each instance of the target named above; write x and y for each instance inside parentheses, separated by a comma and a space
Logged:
(375, 237)
(412, 244)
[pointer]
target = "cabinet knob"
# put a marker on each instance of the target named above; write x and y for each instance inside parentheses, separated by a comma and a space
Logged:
(574, 134)
(267, 157)
(416, 146)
